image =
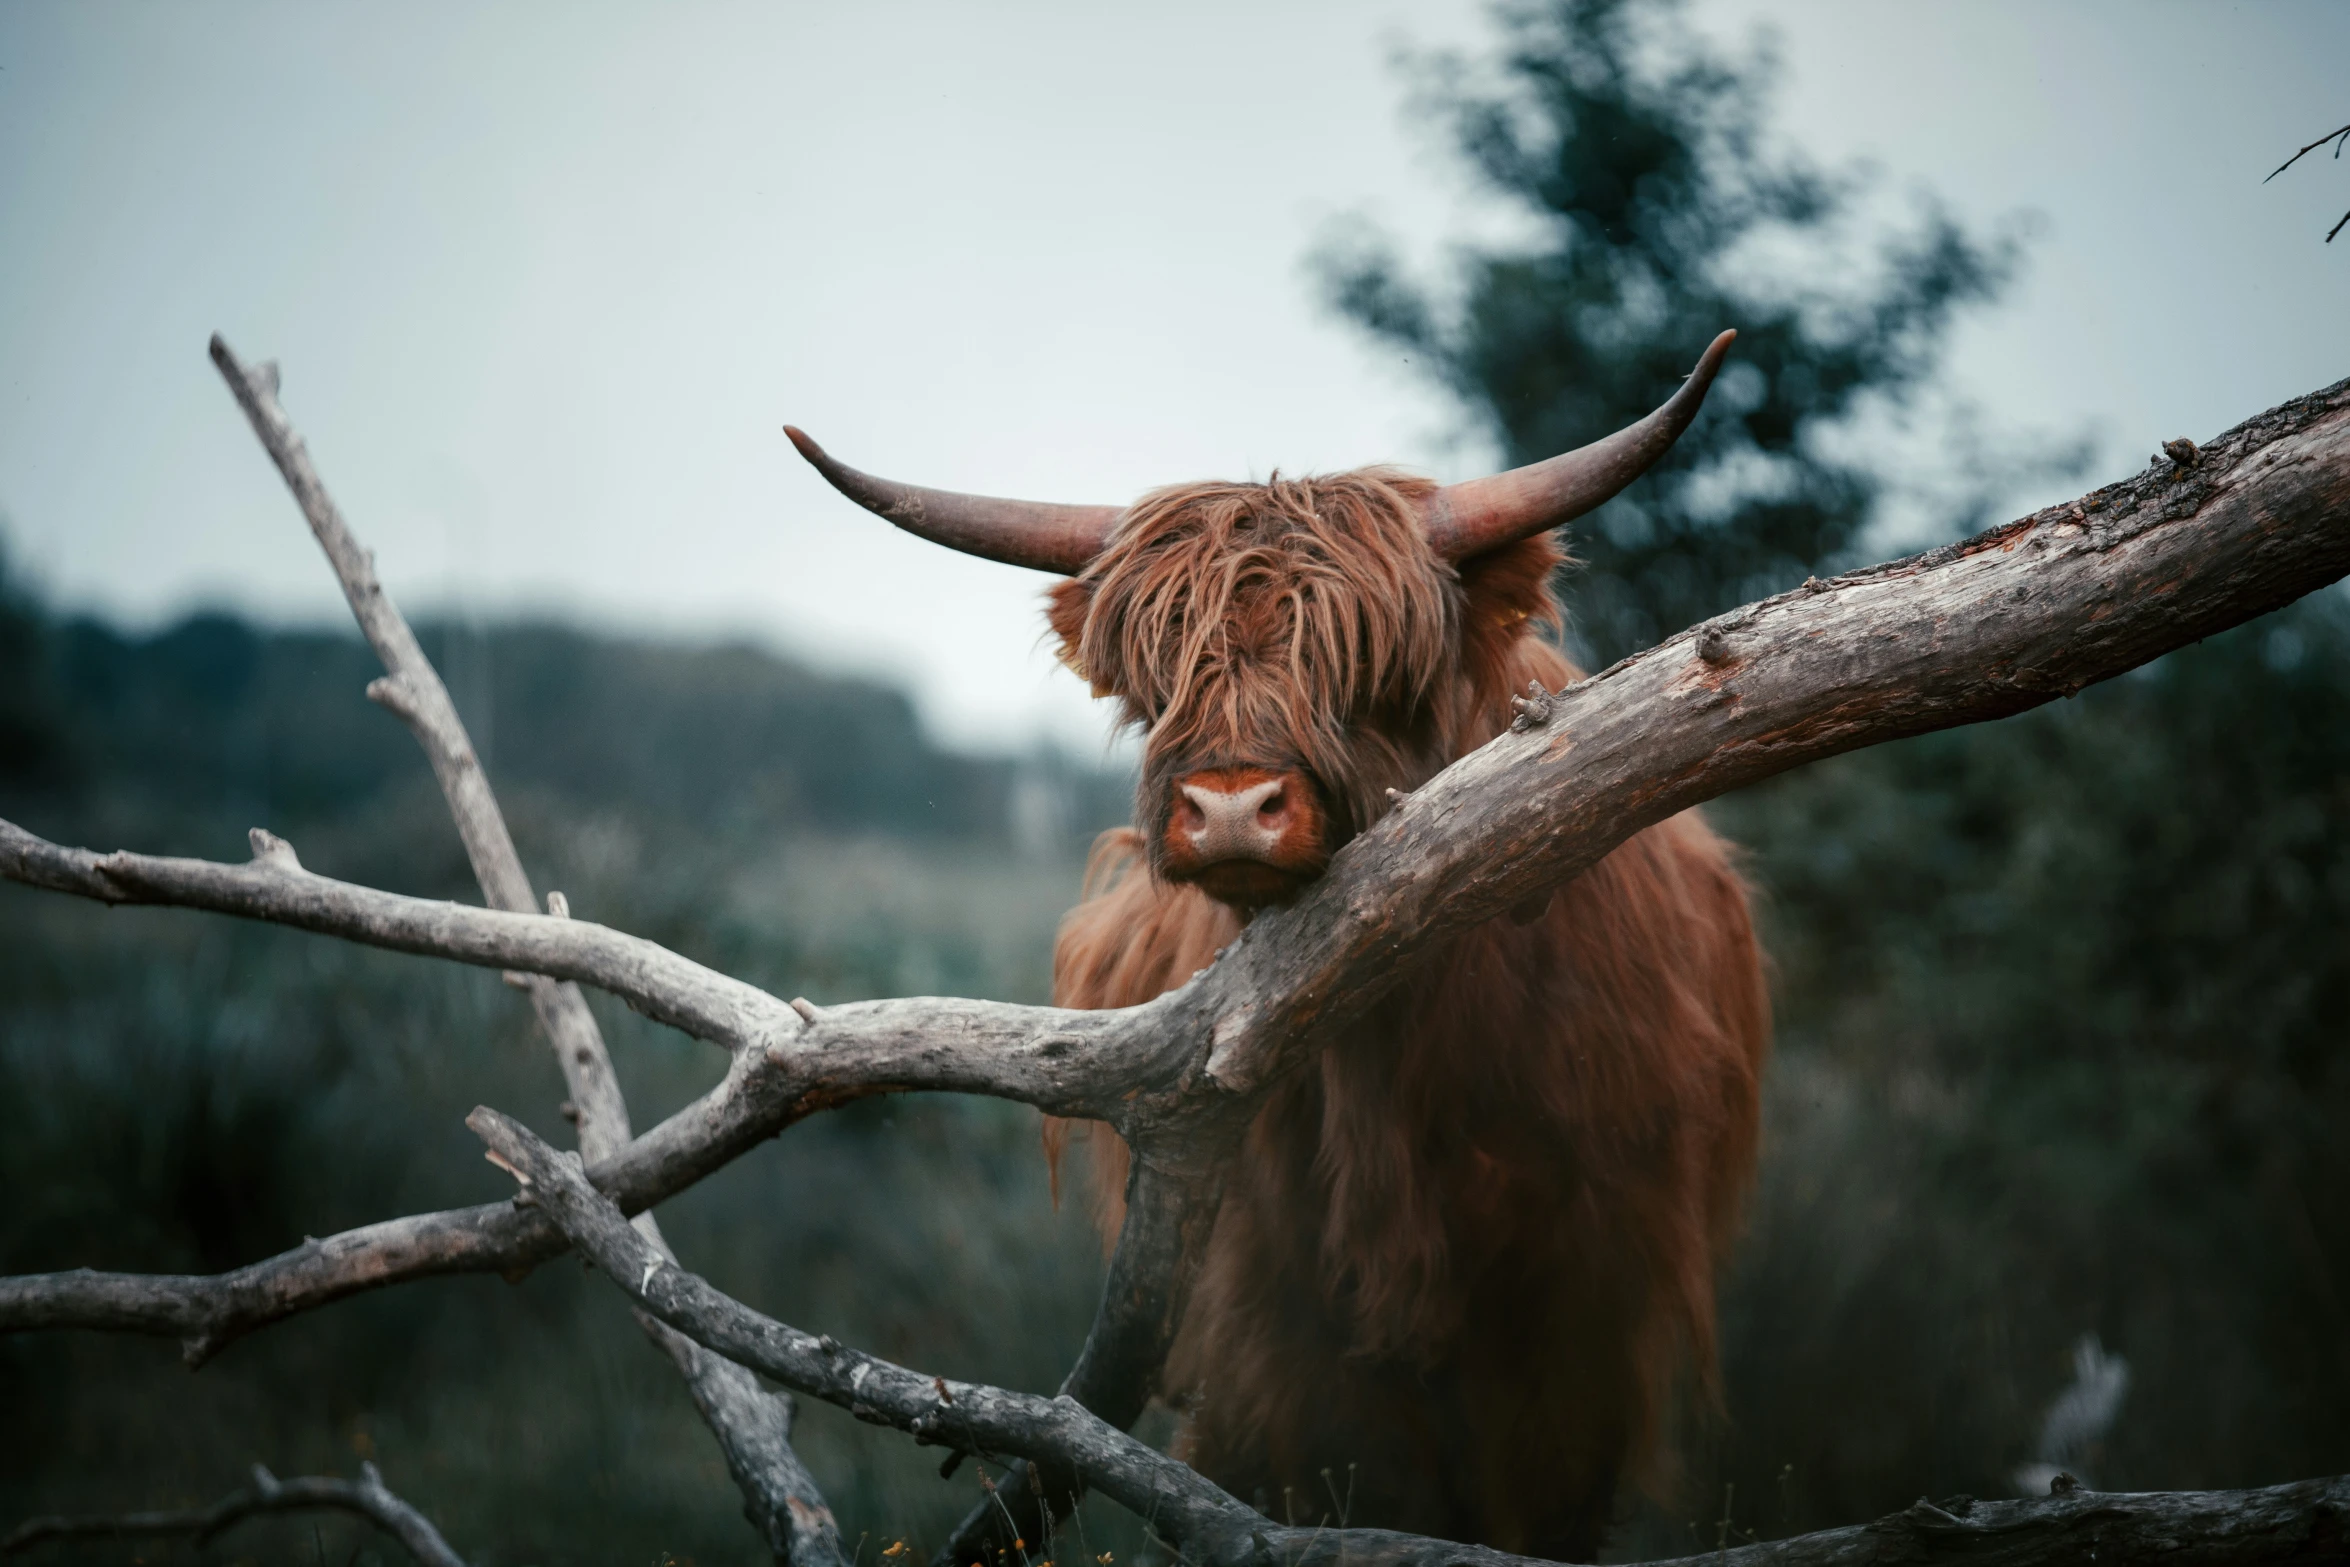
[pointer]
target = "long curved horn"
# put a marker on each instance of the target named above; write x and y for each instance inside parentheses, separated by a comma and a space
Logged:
(1478, 515)
(1036, 534)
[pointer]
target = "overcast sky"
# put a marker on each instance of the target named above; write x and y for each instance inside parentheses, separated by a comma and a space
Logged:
(545, 281)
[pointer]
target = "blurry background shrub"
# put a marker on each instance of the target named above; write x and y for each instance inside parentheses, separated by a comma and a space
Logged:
(2060, 999)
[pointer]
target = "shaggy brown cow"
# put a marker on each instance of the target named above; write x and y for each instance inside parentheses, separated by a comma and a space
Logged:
(1462, 1262)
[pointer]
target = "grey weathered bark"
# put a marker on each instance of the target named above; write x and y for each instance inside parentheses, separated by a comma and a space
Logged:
(752, 1426)
(2000, 623)
(1211, 1528)
(365, 1497)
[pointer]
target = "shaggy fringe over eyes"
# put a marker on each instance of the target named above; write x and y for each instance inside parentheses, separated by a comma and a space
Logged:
(1271, 613)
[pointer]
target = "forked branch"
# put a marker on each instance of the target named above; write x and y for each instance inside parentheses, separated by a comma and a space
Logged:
(753, 1428)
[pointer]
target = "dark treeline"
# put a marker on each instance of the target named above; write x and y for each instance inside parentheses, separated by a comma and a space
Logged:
(185, 1093)
(214, 717)
(2060, 1000)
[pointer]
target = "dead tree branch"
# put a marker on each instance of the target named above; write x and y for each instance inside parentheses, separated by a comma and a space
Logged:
(1998, 624)
(966, 1416)
(753, 1427)
(1211, 1528)
(365, 1497)
(762, 1093)
(274, 887)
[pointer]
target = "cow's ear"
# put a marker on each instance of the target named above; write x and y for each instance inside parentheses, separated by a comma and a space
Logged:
(1067, 604)
(1507, 594)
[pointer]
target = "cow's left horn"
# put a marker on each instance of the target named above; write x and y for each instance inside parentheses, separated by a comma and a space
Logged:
(1036, 534)
(1478, 515)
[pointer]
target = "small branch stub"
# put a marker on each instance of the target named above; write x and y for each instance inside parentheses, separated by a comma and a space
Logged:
(273, 852)
(1533, 709)
(392, 695)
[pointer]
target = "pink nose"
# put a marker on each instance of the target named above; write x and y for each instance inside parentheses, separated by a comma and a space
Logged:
(1244, 823)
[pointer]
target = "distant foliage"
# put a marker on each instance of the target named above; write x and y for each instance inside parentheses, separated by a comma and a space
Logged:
(1661, 214)
(184, 1092)
(2060, 999)
(2061, 1002)
(215, 720)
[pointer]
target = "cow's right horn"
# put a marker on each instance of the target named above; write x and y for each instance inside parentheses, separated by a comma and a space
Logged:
(1478, 515)
(1037, 534)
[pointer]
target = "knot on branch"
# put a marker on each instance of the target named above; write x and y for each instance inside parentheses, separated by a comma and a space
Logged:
(2182, 452)
(1533, 709)
(1923, 1514)
(273, 853)
(395, 697)
(1713, 646)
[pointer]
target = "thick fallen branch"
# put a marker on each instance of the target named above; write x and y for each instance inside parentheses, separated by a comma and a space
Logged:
(1211, 1528)
(2000, 623)
(2015, 617)
(2281, 1524)
(753, 1427)
(366, 1497)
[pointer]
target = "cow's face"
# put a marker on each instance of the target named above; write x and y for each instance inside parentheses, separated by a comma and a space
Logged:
(1290, 651)
(1295, 650)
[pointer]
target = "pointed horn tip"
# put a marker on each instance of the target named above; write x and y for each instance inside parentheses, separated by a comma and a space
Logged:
(803, 444)
(1715, 352)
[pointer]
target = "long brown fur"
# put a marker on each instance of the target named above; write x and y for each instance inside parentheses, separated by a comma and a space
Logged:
(1462, 1261)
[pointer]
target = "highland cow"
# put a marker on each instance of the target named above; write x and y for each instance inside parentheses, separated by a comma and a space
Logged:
(1465, 1258)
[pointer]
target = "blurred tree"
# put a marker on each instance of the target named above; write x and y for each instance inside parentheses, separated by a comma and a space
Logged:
(2059, 998)
(1661, 215)
(2062, 1050)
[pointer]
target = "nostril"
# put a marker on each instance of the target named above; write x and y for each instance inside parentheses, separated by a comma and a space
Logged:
(1274, 807)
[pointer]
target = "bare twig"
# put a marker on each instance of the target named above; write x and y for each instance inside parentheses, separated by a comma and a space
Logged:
(366, 1497)
(2339, 139)
(2336, 137)
(753, 1427)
